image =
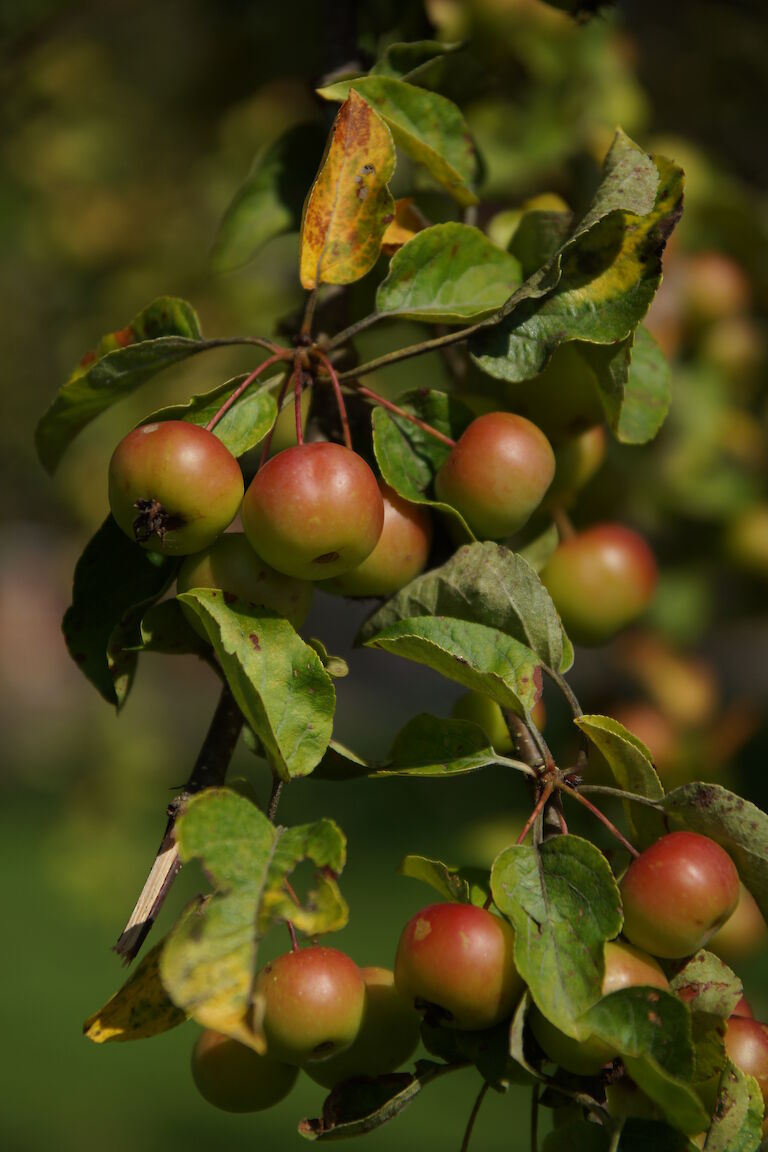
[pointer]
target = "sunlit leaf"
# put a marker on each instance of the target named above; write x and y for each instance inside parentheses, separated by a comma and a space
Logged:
(241, 428)
(164, 333)
(140, 1009)
(632, 766)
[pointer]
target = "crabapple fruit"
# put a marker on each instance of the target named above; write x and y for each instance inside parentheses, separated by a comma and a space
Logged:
(600, 580)
(314, 511)
(400, 553)
(677, 893)
(746, 1043)
(314, 1000)
(173, 487)
(456, 961)
(576, 462)
(744, 933)
(388, 1035)
(232, 565)
(625, 967)
(233, 1077)
(497, 473)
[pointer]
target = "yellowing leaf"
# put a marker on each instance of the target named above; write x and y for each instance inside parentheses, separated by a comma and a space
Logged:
(349, 207)
(407, 222)
(140, 1009)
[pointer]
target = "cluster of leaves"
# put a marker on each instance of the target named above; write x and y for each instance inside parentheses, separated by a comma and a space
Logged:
(481, 619)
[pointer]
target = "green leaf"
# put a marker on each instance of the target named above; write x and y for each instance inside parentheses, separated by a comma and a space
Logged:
(738, 826)
(564, 904)
(609, 275)
(539, 549)
(270, 200)
(164, 628)
(737, 1123)
(631, 764)
(448, 273)
(538, 238)
(640, 1135)
(429, 128)
(334, 665)
(243, 426)
(645, 1023)
(408, 457)
(633, 381)
(708, 985)
(433, 746)
(140, 1009)
(470, 654)
(209, 959)
(408, 61)
(463, 885)
(164, 333)
(114, 583)
(487, 584)
(676, 1099)
(359, 1106)
(278, 681)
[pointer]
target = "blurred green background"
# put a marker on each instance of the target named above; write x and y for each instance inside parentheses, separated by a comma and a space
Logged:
(127, 125)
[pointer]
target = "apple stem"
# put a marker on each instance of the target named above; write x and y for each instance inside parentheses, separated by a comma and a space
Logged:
(563, 523)
(397, 411)
(235, 396)
(293, 936)
(603, 819)
(540, 804)
(473, 1117)
(339, 399)
(309, 313)
(535, 1118)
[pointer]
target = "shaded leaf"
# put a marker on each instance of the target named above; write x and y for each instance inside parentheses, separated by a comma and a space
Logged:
(464, 885)
(633, 381)
(474, 655)
(270, 200)
(407, 61)
(243, 426)
(737, 825)
(645, 1023)
(448, 273)
(428, 127)
(349, 205)
(407, 223)
(209, 959)
(578, 1136)
(563, 902)
(140, 1009)
(488, 584)
(538, 237)
(164, 628)
(609, 275)
(114, 582)
(164, 333)
(278, 681)
(334, 665)
(408, 457)
(359, 1106)
(630, 762)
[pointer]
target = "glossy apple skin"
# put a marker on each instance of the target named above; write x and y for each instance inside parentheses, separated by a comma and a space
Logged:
(677, 893)
(497, 474)
(232, 565)
(743, 1009)
(487, 714)
(744, 933)
(194, 482)
(314, 511)
(387, 1038)
(399, 556)
(458, 961)
(600, 580)
(625, 967)
(314, 1000)
(746, 1042)
(234, 1078)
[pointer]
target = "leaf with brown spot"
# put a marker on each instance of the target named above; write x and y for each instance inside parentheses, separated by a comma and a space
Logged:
(141, 1008)
(350, 206)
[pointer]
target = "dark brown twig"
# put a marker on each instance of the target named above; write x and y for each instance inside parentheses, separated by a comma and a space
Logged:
(209, 771)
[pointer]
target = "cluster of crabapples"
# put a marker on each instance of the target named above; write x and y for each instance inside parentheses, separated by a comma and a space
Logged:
(455, 969)
(316, 512)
